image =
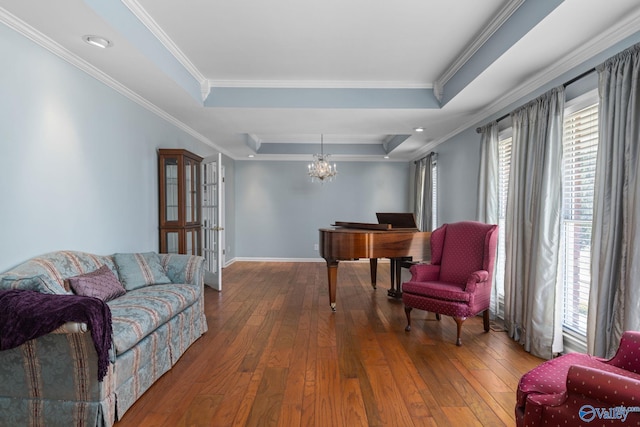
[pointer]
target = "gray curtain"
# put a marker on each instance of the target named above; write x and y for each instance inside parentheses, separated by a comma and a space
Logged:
(614, 301)
(488, 192)
(533, 226)
(423, 209)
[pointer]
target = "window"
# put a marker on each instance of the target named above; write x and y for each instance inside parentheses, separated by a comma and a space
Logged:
(434, 193)
(580, 143)
(504, 166)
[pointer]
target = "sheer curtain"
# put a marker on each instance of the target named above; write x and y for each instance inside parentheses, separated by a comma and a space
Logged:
(488, 210)
(614, 302)
(424, 192)
(533, 221)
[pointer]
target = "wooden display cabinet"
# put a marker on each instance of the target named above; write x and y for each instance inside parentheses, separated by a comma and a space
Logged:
(180, 200)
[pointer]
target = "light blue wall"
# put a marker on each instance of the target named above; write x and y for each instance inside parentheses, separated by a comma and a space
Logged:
(229, 207)
(279, 211)
(458, 169)
(78, 159)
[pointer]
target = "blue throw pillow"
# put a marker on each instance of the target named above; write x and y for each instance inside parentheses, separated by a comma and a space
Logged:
(140, 269)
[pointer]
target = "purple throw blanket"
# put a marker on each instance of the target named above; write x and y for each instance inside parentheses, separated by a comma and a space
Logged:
(25, 315)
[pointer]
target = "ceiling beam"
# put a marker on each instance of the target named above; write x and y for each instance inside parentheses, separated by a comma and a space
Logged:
(263, 97)
(529, 14)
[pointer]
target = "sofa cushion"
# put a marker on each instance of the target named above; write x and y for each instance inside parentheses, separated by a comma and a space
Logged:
(101, 283)
(140, 269)
(139, 312)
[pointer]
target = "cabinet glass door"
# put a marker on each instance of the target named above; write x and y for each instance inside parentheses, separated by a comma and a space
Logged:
(172, 241)
(171, 189)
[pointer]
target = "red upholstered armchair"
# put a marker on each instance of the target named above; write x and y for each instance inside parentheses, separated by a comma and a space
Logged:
(576, 389)
(457, 282)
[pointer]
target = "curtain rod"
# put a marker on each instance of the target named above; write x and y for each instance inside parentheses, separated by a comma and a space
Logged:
(423, 158)
(573, 80)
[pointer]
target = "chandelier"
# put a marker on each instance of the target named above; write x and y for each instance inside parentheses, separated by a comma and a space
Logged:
(320, 168)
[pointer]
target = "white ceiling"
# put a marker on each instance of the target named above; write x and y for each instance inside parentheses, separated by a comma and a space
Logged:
(269, 77)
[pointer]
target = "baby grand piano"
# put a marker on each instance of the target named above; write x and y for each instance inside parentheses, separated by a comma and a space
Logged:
(354, 240)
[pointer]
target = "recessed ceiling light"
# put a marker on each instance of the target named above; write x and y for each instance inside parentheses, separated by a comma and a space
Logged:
(386, 157)
(97, 41)
(251, 156)
(419, 129)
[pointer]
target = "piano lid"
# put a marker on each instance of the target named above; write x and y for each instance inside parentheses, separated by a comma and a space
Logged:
(397, 219)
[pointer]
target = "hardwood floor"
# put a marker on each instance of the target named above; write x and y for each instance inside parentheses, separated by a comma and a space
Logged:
(275, 355)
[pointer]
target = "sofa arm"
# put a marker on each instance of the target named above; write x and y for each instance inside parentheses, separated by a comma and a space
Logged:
(71, 328)
(184, 269)
(56, 366)
(424, 272)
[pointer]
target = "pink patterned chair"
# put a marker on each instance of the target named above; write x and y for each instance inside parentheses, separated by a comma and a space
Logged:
(457, 282)
(581, 390)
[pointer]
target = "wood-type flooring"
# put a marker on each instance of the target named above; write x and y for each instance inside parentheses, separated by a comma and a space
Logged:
(276, 355)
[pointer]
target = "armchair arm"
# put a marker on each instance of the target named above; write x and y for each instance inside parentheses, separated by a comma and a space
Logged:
(424, 272)
(626, 356)
(608, 388)
(476, 278)
(590, 393)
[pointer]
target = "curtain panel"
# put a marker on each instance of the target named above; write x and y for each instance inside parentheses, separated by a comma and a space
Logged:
(533, 226)
(488, 179)
(614, 299)
(423, 209)
(488, 198)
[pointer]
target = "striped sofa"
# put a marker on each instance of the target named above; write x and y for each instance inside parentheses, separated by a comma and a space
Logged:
(53, 380)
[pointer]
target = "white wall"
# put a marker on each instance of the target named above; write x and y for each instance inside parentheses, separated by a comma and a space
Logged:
(78, 159)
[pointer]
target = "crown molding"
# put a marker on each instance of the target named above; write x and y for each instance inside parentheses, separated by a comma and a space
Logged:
(168, 43)
(310, 84)
(503, 15)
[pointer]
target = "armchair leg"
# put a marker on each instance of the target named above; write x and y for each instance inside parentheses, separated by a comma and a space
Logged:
(407, 311)
(459, 321)
(485, 319)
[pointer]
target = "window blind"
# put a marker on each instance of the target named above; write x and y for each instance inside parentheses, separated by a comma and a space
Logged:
(504, 168)
(580, 144)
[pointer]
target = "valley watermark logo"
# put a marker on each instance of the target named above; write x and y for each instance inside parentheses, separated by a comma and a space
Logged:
(589, 413)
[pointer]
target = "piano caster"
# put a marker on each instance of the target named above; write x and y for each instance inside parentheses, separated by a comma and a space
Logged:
(333, 307)
(394, 293)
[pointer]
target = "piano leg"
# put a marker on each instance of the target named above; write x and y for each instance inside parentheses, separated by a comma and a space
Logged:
(396, 276)
(332, 274)
(373, 267)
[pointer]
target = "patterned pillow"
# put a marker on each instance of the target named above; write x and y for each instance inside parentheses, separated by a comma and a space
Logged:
(140, 269)
(101, 283)
(29, 283)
